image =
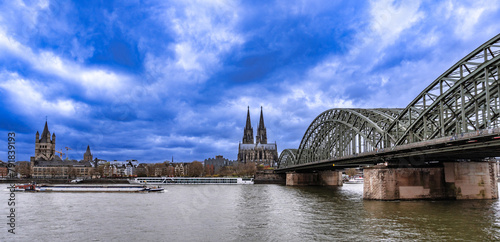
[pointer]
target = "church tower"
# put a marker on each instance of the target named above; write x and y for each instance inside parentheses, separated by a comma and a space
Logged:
(87, 156)
(261, 130)
(45, 147)
(248, 132)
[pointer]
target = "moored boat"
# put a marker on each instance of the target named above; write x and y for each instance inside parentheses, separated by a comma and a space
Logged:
(25, 188)
(191, 180)
(91, 188)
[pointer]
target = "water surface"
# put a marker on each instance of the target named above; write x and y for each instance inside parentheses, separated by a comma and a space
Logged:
(245, 213)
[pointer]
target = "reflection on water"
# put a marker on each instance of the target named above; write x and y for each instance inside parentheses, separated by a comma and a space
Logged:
(246, 213)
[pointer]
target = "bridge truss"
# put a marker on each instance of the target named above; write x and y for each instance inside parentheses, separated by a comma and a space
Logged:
(465, 98)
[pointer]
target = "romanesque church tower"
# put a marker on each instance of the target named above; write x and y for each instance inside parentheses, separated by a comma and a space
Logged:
(87, 156)
(45, 147)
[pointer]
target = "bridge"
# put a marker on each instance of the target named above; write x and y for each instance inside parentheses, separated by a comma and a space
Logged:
(439, 146)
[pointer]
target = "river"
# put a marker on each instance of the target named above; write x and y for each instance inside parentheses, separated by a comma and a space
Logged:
(245, 213)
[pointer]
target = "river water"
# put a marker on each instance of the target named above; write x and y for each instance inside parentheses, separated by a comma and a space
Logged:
(245, 213)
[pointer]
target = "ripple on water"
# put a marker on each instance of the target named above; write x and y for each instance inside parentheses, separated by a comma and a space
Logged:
(248, 213)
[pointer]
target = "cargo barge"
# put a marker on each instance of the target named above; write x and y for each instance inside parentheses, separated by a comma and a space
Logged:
(87, 188)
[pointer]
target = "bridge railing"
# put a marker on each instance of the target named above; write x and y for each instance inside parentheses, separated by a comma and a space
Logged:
(443, 140)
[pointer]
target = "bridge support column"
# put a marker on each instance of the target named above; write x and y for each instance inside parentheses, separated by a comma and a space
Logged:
(455, 180)
(330, 178)
(326, 178)
(403, 183)
(471, 180)
(301, 179)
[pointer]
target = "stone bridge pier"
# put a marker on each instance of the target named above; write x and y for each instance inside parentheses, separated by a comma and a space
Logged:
(453, 180)
(325, 178)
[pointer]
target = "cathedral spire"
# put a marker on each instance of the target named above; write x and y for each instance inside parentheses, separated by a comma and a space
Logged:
(249, 123)
(261, 121)
(261, 130)
(248, 132)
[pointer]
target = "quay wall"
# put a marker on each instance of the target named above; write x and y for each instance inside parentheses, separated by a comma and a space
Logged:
(269, 177)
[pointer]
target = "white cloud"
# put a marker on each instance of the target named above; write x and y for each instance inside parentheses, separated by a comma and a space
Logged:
(203, 31)
(429, 39)
(390, 19)
(467, 16)
(187, 58)
(29, 13)
(10, 44)
(79, 52)
(29, 98)
(98, 83)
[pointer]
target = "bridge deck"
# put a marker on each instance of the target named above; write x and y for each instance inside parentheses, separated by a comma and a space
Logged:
(473, 145)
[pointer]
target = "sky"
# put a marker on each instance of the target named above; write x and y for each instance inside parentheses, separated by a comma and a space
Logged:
(152, 80)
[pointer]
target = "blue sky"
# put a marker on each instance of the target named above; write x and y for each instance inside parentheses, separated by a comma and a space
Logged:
(149, 80)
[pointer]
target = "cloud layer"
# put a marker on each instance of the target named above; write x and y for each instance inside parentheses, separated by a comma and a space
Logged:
(152, 81)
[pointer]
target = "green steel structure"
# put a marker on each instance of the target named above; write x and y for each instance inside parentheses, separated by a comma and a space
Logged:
(465, 98)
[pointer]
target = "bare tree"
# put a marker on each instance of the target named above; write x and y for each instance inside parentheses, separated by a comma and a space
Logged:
(56, 171)
(72, 172)
(249, 169)
(351, 172)
(209, 170)
(245, 169)
(227, 171)
(150, 169)
(92, 172)
(24, 169)
(164, 168)
(100, 170)
(195, 169)
(170, 170)
(141, 170)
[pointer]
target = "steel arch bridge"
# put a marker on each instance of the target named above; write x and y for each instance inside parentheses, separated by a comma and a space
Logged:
(465, 98)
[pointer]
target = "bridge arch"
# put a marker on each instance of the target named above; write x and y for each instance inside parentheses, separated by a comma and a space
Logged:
(464, 98)
(338, 132)
(287, 158)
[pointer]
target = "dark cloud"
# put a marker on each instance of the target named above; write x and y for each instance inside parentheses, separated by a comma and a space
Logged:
(149, 81)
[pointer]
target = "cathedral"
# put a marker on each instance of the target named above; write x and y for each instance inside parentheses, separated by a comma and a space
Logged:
(260, 151)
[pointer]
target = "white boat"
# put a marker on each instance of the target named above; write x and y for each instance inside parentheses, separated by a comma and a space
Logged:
(155, 189)
(356, 180)
(191, 180)
(91, 188)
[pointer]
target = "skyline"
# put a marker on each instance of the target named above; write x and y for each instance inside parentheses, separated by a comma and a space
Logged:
(155, 80)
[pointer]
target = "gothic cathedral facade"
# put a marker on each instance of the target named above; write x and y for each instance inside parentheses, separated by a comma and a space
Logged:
(260, 151)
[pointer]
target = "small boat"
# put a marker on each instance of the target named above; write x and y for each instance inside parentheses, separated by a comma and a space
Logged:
(155, 189)
(25, 187)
